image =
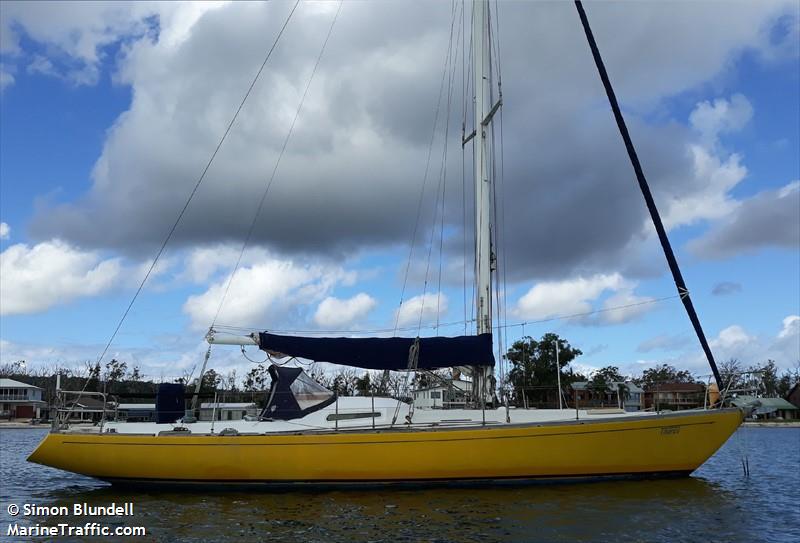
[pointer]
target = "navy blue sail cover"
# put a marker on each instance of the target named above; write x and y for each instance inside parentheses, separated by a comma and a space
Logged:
(384, 353)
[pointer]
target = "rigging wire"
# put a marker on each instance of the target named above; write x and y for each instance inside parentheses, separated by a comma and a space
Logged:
(275, 168)
(444, 157)
(450, 66)
(244, 354)
(464, 91)
(476, 124)
(193, 192)
(424, 183)
(441, 247)
(444, 167)
(446, 71)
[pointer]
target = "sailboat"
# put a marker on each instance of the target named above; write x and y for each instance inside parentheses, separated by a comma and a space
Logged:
(306, 434)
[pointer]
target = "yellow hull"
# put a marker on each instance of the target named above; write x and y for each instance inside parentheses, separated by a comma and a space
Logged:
(670, 443)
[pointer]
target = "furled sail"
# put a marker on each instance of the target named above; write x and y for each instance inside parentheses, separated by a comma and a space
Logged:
(384, 353)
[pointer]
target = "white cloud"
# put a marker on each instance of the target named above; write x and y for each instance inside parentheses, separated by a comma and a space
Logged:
(721, 117)
(5, 230)
(203, 262)
(33, 279)
(426, 307)
(733, 341)
(380, 60)
(548, 299)
(791, 327)
(336, 312)
(750, 349)
(6, 78)
(715, 172)
(165, 361)
(570, 296)
(270, 291)
(731, 337)
(709, 197)
(42, 65)
(75, 34)
(636, 307)
(770, 218)
(789, 189)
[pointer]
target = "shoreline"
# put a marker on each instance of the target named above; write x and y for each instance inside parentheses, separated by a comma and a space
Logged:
(23, 425)
(760, 424)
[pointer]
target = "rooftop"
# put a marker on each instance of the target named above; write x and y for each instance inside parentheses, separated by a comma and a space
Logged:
(766, 403)
(11, 383)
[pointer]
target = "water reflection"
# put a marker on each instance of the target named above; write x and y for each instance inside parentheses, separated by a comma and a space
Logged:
(718, 504)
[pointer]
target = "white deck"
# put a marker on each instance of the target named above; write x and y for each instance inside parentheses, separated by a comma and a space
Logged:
(324, 419)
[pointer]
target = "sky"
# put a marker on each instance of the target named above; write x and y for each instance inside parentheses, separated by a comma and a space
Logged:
(109, 113)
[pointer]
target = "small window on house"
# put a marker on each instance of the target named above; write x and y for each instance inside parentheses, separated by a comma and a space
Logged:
(436, 395)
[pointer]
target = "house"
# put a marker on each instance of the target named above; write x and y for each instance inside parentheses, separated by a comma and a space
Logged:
(227, 411)
(768, 408)
(136, 412)
(634, 398)
(793, 397)
(675, 396)
(450, 395)
(20, 400)
(88, 409)
(624, 394)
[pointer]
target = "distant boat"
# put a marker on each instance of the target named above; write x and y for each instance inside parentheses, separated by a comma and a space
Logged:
(307, 435)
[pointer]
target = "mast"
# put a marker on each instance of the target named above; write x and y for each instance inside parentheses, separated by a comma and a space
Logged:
(483, 113)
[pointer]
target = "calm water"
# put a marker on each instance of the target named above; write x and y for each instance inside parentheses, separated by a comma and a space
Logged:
(717, 504)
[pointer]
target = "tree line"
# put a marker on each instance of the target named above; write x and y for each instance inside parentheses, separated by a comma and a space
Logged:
(532, 377)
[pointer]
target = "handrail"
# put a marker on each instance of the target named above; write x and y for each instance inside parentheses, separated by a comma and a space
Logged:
(61, 403)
